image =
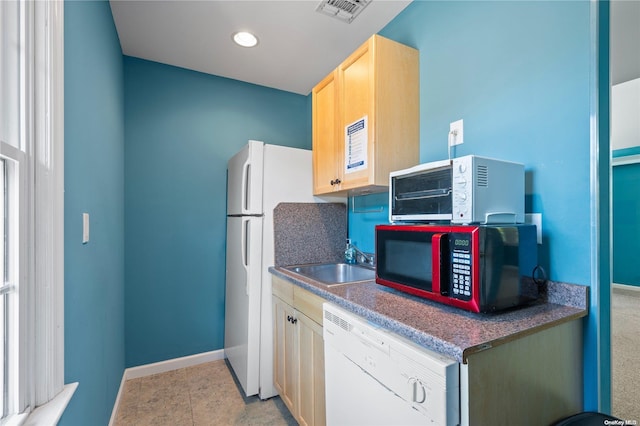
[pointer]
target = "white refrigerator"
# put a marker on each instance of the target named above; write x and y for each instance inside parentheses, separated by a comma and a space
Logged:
(259, 177)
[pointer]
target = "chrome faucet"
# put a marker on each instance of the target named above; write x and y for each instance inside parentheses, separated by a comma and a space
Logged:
(369, 259)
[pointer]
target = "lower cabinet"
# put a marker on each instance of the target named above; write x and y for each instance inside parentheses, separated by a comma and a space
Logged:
(530, 381)
(285, 345)
(299, 351)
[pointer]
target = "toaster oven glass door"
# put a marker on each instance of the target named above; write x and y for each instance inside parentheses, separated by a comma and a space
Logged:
(405, 258)
(427, 192)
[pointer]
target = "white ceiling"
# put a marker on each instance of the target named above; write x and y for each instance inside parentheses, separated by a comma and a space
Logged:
(625, 33)
(297, 45)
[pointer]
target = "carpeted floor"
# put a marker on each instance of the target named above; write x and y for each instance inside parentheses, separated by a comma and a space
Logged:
(625, 354)
(206, 394)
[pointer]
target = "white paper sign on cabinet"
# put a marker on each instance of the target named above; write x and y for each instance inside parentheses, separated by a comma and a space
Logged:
(355, 145)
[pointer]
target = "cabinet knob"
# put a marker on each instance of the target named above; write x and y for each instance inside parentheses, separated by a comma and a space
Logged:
(289, 318)
(336, 182)
(294, 320)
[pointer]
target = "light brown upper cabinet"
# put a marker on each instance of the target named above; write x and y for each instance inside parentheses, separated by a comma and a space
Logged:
(366, 119)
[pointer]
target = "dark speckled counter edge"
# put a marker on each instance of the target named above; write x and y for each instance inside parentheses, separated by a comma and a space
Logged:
(559, 303)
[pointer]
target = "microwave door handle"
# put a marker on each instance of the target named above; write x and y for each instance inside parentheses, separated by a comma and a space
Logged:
(420, 195)
(440, 262)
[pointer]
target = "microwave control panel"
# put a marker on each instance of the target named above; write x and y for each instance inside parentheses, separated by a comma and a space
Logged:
(461, 266)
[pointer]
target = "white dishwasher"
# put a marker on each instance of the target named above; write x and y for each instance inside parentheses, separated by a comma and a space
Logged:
(374, 377)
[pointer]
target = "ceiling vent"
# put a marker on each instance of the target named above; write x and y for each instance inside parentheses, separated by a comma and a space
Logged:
(344, 10)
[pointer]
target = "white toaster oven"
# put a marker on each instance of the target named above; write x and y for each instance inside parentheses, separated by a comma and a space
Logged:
(464, 190)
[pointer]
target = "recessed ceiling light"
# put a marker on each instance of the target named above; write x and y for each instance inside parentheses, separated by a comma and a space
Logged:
(245, 39)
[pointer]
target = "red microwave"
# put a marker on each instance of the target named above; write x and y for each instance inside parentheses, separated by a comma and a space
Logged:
(482, 268)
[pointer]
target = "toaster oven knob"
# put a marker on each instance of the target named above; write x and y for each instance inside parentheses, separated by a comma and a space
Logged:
(462, 167)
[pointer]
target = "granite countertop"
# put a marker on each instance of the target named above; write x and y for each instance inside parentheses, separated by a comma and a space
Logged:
(447, 330)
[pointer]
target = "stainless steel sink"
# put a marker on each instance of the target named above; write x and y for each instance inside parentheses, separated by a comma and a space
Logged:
(334, 273)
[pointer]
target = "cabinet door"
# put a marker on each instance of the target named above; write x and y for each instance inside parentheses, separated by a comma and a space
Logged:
(377, 86)
(356, 77)
(524, 380)
(311, 364)
(285, 347)
(326, 149)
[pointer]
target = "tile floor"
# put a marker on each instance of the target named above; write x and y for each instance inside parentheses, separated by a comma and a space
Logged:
(206, 394)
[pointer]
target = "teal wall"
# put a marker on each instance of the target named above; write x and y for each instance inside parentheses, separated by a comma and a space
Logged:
(625, 208)
(181, 128)
(94, 183)
(522, 89)
(516, 72)
(519, 73)
(626, 223)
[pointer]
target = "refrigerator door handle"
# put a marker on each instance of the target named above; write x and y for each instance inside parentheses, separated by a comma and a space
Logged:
(246, 179)
(246, 235)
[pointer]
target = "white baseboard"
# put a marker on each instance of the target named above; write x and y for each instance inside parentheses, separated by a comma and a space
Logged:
(625, 287)
(163, 367)
(173, 364)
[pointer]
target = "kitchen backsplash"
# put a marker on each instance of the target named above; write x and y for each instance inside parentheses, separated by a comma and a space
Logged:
(309, 233)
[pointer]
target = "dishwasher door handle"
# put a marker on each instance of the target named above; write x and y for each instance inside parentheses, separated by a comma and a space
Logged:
(419, 392)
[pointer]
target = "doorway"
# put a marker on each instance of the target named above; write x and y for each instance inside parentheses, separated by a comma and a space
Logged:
(625, 205)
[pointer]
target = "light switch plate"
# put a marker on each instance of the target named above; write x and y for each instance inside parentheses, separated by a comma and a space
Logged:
(85, 228)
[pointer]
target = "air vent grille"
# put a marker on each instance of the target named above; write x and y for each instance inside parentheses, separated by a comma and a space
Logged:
(344, 10)
(339, 321)
(483, 176)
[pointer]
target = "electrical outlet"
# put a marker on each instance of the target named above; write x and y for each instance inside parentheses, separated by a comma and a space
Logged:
(456, 133)
(535, 219)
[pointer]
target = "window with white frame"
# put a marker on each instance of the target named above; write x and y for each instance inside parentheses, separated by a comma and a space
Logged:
(31, 165)
(12, 114)
(5, 290)
(12, 275)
